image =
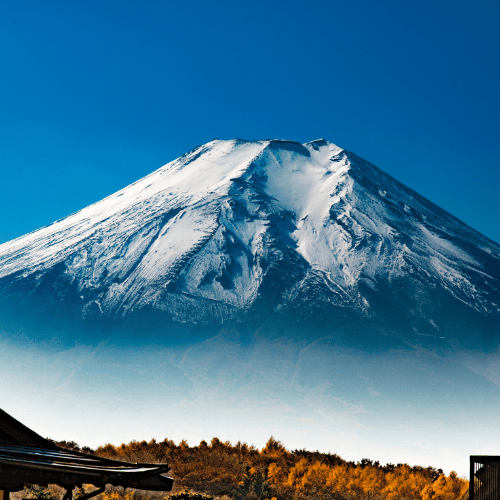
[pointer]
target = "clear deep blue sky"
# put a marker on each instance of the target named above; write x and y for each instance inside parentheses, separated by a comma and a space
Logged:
(96, 94)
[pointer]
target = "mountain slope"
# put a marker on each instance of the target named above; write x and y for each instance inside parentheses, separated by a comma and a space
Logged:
(269, 231)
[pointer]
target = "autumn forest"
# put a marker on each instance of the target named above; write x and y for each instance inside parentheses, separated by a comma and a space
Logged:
(241, 472)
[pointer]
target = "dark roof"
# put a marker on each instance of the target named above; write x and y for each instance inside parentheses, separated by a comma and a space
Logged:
(14, 432)
(26, 457)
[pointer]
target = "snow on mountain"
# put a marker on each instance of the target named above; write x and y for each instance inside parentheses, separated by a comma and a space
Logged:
(230, 223)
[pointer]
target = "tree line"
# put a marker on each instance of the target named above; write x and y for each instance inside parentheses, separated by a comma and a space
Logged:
(243, 472)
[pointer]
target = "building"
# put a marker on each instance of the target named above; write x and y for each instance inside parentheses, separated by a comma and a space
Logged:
(27, 458)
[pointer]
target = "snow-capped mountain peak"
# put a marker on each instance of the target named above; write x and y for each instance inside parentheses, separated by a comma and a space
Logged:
(231, 222)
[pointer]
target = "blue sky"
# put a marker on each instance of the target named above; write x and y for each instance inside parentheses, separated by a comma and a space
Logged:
(98, 94)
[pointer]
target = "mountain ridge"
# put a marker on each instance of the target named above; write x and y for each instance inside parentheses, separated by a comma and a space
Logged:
(234, 226)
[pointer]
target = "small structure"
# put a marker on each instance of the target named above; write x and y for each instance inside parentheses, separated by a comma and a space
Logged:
(484, 483)
(27, 458)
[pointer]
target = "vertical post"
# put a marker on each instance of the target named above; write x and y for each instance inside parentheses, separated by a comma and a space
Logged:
(4, 494)
(471, 479)
(69, 493)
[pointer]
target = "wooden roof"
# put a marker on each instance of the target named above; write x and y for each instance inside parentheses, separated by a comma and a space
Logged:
(13, 432)
(26, 457)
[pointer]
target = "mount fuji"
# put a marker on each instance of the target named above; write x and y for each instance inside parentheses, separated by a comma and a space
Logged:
(239, 231)
(270, 273)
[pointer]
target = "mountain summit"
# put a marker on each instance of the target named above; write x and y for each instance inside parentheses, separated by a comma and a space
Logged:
(238, 230)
